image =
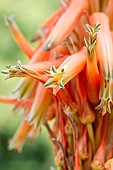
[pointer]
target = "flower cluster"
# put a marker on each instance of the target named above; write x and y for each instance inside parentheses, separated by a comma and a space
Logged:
(69, 82)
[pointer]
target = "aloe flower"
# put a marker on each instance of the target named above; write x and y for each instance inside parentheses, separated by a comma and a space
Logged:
(68, 81)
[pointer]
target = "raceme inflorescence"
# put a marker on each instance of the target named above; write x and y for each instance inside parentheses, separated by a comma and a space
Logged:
(67, 85)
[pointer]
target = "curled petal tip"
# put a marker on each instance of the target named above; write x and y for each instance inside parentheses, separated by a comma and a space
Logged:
(8, 19)
(4, 71)
(6, 74)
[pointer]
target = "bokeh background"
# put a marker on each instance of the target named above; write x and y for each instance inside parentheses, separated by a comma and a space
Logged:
(29, 15)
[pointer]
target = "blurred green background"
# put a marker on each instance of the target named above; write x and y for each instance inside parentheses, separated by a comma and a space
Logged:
(29, 15)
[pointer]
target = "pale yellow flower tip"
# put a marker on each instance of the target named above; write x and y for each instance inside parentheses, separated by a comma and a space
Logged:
(109, 164)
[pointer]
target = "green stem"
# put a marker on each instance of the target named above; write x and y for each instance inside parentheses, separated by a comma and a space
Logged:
(70, 142)
(81, 165)
(91, 136)
(59, 167)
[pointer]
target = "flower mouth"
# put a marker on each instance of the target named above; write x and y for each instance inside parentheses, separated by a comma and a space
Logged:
(56, 79)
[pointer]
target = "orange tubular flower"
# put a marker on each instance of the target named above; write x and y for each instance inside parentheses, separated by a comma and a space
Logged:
(15, 101)
(104, 5)
(46, 27)
(101, 42)
(94, 6)
(109, 12)
(67, 70)
(78, 68)
(19, 38)
(104, 41)
(99, 158)
(83, 145)
(25, 130)
(37, 112)
(32, 70)
(57, 35)
(92, 71)
(33, 119)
